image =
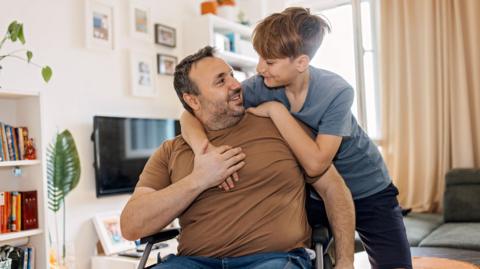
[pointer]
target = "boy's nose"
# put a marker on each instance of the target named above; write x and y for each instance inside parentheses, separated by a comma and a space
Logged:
(261, 66)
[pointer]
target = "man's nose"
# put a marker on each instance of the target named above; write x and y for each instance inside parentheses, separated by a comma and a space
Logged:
(234, 83)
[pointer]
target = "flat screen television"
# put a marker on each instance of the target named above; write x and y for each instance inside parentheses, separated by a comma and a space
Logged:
(122, 147)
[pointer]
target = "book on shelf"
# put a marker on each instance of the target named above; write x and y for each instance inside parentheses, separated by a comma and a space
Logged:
(4, 142)
(18, 211)
(12, 142)
(29, 212)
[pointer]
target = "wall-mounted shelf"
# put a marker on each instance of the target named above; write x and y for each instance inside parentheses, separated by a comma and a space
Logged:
(202, 31)
(18, 235)
(19, 163)
(16, 94)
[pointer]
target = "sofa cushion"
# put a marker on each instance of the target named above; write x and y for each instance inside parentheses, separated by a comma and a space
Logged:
(419, 225)
(461, 199)
(454, 235)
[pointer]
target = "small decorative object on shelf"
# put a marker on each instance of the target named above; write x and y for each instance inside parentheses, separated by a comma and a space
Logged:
(242, 19)
(226, 9)
(15, 33)
(30, 151)
(208, 7)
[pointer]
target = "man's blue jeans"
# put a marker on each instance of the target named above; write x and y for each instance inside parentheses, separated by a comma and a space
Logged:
(295, 259)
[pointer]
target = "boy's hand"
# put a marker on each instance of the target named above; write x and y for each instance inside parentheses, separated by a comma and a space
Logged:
(265, 109)
(228, 184)
(211, 168)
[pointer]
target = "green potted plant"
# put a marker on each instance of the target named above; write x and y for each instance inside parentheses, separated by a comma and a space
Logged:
(15, 34)
(63, 175)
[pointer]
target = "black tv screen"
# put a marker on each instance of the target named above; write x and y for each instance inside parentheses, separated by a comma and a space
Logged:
(122, 147)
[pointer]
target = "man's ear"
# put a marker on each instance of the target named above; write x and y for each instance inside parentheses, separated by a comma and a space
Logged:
(301, 63)
(192, 101)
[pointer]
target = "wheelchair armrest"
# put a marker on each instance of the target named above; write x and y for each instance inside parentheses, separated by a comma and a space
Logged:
(321, 235)
(150, 240)
(164, 235)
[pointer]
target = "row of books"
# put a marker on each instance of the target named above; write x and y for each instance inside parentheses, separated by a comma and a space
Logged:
(18, 211)
(22, 257)
(12, 142)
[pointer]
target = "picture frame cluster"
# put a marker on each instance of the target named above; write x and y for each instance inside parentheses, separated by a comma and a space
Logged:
(100, 28)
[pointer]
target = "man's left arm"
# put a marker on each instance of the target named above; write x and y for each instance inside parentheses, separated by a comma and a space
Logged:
(341, 215)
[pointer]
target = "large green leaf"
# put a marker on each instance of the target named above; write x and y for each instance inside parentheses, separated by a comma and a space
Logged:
(63, 169)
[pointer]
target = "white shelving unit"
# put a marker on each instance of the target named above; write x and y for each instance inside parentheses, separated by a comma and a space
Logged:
(19, 163)
(200, 31)
(18, 235)
(23, 108)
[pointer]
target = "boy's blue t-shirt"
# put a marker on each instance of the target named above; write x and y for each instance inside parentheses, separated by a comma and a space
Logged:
(327, 111)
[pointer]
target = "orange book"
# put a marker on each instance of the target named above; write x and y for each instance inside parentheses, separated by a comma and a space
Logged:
(8, 203)
(2, 209)
(19, 211)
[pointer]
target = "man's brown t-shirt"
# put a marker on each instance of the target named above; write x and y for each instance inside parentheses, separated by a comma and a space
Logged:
(264, 212)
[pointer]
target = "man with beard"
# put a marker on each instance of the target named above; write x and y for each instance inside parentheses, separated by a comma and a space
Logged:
(261, 223)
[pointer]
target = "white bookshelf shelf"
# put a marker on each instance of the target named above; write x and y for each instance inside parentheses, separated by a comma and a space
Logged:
(203, 30)
(236, 59)
(17, 235)
(19, 163)
(227, 25)
(16, 94)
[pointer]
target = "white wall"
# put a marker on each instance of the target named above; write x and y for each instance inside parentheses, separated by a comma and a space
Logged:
(87, 83)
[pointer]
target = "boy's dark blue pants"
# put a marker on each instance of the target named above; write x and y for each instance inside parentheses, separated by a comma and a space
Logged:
(379, 222)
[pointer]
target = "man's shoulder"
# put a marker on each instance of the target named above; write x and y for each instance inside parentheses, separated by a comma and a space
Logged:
(252, 119)
(169, 147)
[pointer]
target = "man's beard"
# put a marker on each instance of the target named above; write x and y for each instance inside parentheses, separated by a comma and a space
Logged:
(220, 116)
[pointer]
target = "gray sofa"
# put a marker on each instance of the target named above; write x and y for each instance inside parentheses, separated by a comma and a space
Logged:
(458, 226)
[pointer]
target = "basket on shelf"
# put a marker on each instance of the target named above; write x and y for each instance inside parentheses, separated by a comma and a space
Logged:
(6, 264)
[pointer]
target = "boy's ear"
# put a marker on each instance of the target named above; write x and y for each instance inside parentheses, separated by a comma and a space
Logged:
(192, 101)
(302, 62)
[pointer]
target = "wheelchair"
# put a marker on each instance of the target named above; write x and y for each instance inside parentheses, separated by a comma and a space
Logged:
(321, 239)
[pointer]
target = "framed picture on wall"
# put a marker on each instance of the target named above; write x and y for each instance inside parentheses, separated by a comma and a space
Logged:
(165, 35)
(166, 64)
(99, 20)
(108, 230)
(142, 74)
(140, 21)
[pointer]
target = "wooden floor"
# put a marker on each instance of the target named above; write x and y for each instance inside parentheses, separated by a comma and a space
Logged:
(433, 258)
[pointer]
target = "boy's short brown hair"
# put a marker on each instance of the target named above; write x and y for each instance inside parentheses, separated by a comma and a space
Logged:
(291, 33)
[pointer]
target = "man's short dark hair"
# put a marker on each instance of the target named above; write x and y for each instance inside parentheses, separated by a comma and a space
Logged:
(182, 82)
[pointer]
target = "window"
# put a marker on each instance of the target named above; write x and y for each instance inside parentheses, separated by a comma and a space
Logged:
(350, 51)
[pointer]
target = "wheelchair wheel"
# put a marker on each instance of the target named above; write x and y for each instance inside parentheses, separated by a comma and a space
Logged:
(327, 262)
